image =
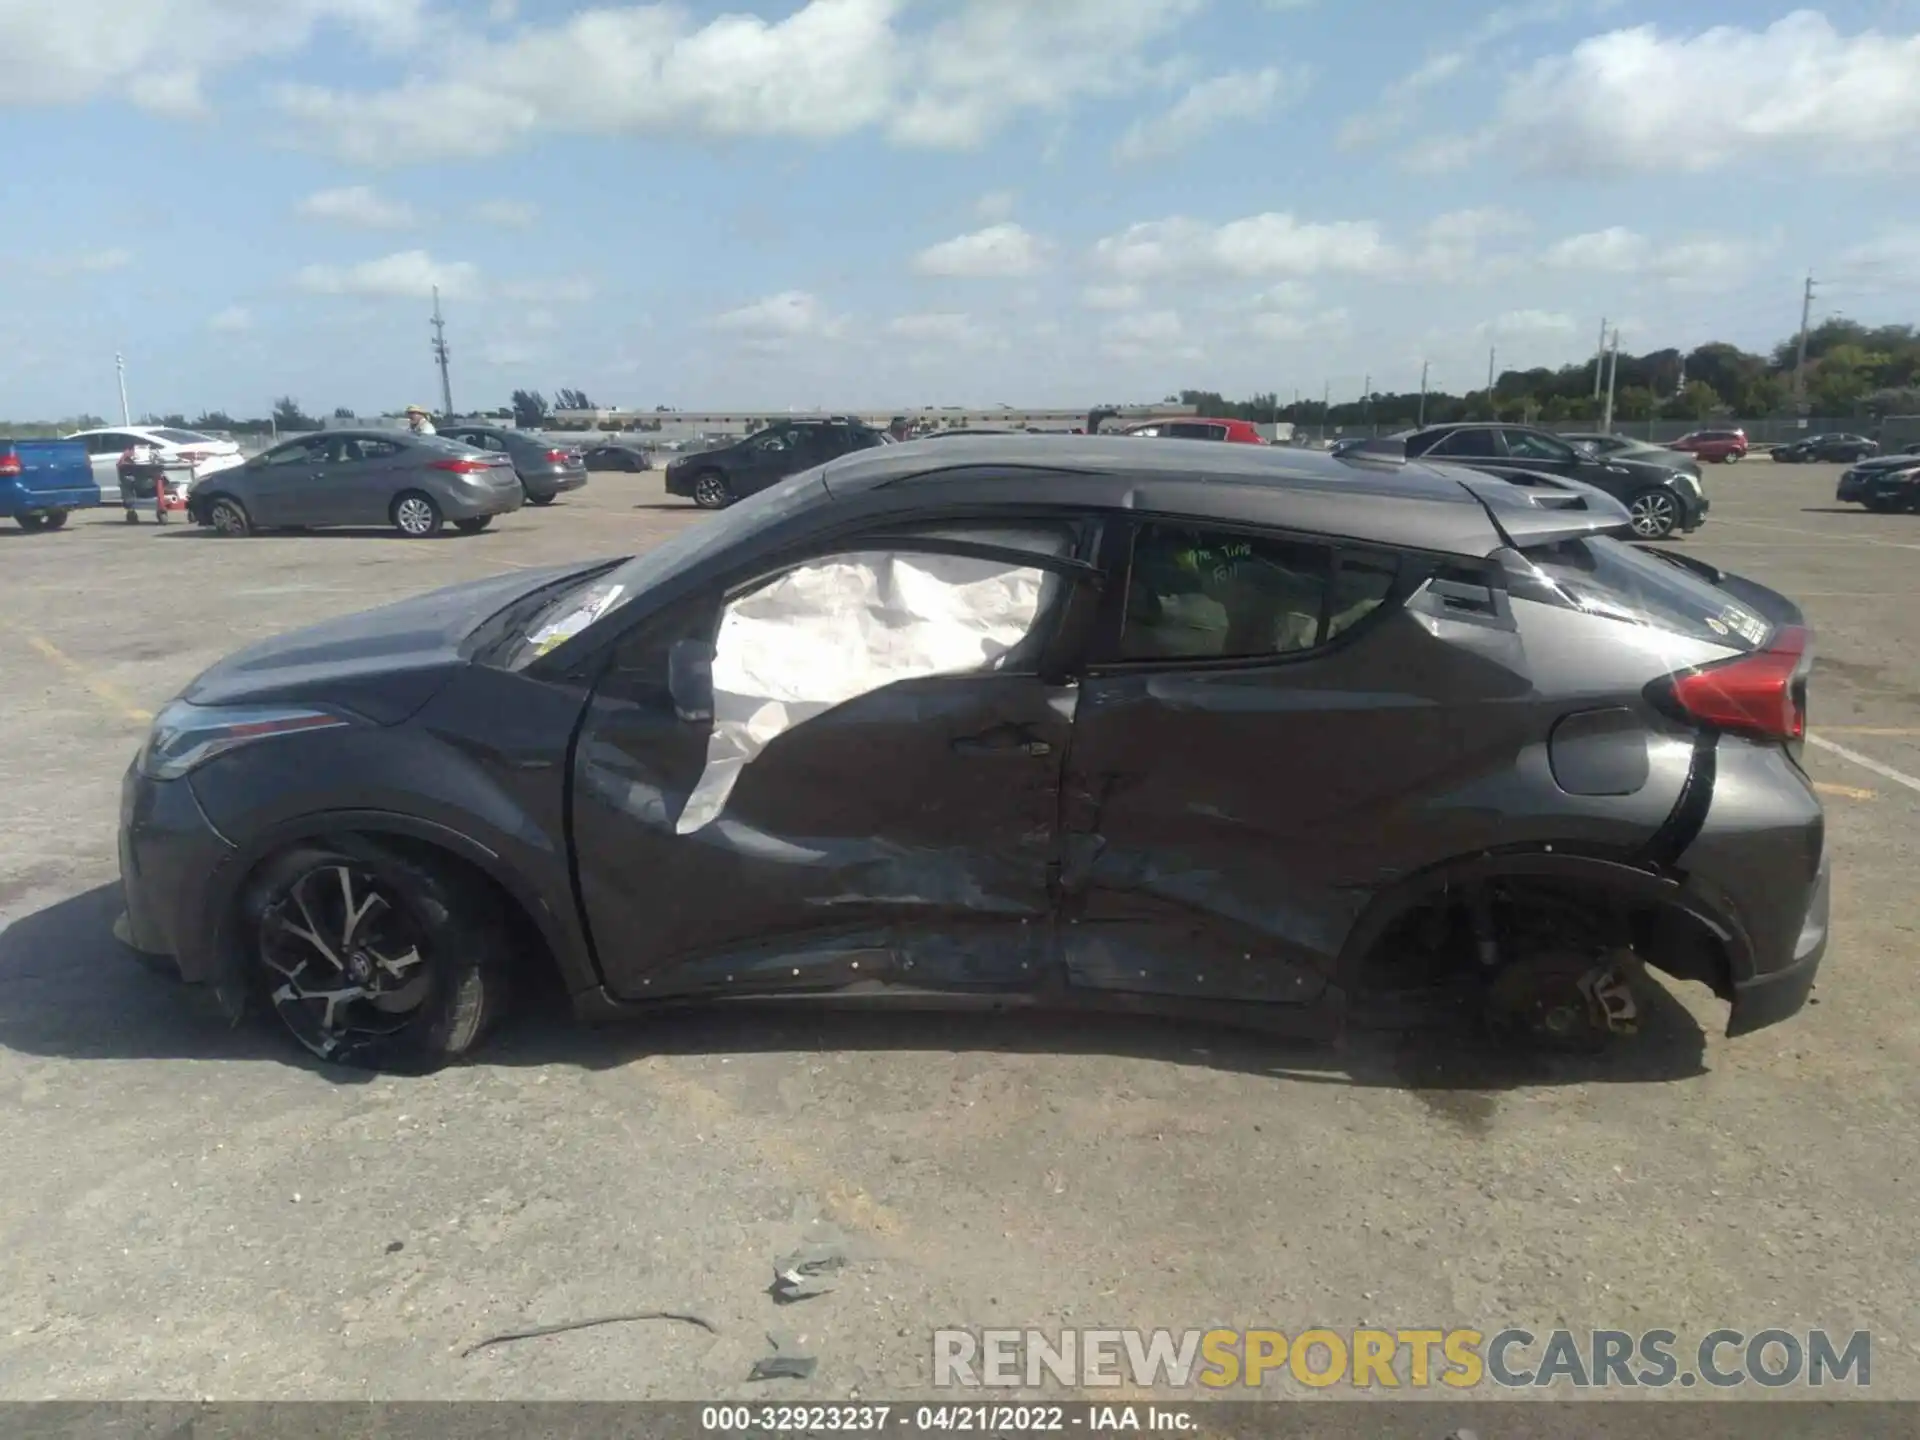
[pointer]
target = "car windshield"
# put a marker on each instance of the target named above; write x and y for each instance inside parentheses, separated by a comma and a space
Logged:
(183, 437)
(534, 629)
(1603, 576)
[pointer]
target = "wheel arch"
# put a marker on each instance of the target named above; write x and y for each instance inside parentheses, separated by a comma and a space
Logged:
(556, 953)
(1668, 898)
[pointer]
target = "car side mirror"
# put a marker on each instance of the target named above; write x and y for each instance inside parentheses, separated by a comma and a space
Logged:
(690, 679)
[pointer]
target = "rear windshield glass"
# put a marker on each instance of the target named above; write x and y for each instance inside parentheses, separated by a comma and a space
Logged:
(180, 437)
(1607, 577)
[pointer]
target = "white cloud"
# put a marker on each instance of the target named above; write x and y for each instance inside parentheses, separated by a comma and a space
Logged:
(1695, 263)
(1259, 245)
(542, 320)
(1233, 98)
(508, 214)
(998, 252)
(1516, 324)
(1643, 100)
(409, 274)
(1399, 104)
(942, 328)
(1148, 333)
(358, 205)
(828, 69)
(989, 61)
(1112, 297)
(790, 315)
(995, 205)
(1294, 325)
(506, 354)
(1890, 257)
(231, 320)
(560, 290)
(87, 262)
(159, 53)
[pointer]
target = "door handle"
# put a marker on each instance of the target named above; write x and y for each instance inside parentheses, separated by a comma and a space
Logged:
(1007, 741)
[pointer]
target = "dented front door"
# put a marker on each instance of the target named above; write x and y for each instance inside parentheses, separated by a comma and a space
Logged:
(830, 825)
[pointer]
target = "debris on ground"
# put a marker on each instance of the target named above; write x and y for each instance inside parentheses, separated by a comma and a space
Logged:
(536, 1332)
(789, 1360)
(806, 1272)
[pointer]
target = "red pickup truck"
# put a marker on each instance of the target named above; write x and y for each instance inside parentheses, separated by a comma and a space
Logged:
(1722, 447)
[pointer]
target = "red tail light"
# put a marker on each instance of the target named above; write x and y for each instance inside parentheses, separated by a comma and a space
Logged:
(10, 466)
(1762, 694)
(463, 467)
(559, 457)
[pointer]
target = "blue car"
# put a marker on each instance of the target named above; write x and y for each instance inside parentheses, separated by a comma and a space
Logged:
(42, 481)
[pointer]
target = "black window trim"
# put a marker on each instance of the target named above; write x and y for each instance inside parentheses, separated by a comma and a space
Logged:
(1499, 443)
(1412, 569)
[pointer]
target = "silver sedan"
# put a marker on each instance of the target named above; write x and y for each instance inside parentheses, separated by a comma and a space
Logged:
(415, 483)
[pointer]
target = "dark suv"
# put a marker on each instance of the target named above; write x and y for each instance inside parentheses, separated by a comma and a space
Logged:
(1236, 731)
(1661, 497)
(715, 478)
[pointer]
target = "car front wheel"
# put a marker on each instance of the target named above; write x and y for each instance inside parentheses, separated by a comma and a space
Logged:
(1655, 513)
(228, 517)
(711, 491)
(373, 958)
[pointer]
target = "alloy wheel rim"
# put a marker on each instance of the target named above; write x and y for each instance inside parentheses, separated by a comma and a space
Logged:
(1652, 514)
(226, 520)
(711, 490)
(415, 517)
(344, 959)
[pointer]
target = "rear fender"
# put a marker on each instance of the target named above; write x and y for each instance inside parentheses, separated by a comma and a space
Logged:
(1630, 885)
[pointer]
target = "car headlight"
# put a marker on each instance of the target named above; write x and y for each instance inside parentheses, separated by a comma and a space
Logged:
(185, 736)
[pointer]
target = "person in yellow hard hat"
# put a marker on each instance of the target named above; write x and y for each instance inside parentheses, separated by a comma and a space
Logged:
(419, 421)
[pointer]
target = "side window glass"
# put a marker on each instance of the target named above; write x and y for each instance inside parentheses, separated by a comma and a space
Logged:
(1197, 594)
(1361, 585)
(1526, 446)
(1468, 444)
(300, 453)
(845, 625)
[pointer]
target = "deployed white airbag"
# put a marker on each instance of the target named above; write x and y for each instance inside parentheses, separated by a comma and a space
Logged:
(825, 633)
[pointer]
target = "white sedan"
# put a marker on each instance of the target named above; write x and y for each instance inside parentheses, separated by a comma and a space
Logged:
(206, 454)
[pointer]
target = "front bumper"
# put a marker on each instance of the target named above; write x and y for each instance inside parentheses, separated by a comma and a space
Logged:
(680, 480)
(170, 855)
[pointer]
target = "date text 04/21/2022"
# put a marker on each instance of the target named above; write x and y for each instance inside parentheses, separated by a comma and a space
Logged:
(977, 1419)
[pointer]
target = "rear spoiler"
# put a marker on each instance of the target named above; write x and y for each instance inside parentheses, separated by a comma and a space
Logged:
(1532, 509)
(1777, 608)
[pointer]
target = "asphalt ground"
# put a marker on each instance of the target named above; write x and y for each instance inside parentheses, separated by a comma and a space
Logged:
(189, 1210)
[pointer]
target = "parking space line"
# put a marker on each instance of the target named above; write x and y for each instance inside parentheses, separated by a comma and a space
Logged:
(101, 688)
(1803, 539)
(1867, 762)
(1845, 792)
(1890, 730)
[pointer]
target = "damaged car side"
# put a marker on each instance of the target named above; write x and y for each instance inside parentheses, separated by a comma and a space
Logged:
(1252, 733)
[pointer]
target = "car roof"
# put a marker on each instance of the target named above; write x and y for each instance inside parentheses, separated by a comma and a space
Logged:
(1401, 503)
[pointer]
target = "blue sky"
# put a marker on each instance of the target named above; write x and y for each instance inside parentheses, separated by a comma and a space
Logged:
(898, 202)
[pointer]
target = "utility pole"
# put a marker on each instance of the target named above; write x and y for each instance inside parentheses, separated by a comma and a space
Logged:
(441, 355)
(126, 415)
(1490, 353)
(1599, 357)
(1326, 406)
(1366, 400)
(1420, 424)
(1800, 362)
(1613, 370)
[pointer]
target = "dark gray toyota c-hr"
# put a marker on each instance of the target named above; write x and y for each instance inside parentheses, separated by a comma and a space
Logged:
(1257, 733)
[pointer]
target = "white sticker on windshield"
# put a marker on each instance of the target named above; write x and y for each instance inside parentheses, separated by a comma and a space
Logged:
(556, 632)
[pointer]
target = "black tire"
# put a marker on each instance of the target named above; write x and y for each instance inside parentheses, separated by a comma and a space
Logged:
(416, 514)
(1880, 505)
(410, 966)
(474, 525)
(533, 499)
(711, 490)
(229, 517)
(40, 520)
(1655, 512)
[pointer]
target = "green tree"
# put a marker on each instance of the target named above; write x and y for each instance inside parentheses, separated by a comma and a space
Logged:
(1635, 402)
(1696, 402)
(530, 408)
(288, 415)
